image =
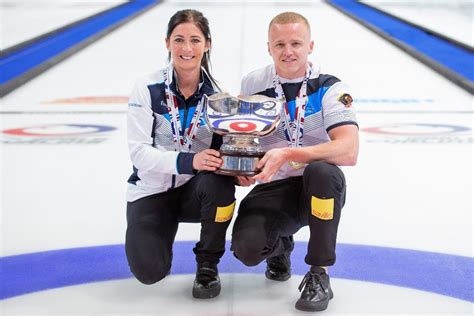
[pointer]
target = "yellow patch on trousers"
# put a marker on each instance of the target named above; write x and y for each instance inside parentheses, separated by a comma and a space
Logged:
(322, 208)
(224, 213)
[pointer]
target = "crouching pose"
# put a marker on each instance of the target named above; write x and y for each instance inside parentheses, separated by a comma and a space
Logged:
(173, 158)
(300, 183)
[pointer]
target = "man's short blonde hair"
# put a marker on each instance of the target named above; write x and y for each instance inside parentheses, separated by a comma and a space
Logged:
(289, 17)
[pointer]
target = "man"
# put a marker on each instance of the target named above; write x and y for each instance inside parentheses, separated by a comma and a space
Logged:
(300, 183)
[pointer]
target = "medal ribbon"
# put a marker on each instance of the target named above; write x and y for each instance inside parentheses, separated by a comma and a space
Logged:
(183, 141)
(294, 129)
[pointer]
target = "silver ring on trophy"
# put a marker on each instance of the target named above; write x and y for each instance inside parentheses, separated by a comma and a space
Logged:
(241, 121)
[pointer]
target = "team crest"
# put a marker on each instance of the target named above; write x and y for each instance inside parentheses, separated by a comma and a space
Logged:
(346, 99)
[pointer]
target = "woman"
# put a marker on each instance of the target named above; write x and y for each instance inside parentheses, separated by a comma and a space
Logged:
(173, 157)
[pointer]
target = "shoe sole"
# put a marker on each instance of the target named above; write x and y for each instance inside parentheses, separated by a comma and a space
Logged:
(282, 278)
(308, 307)
(313, 307)
(206, 293)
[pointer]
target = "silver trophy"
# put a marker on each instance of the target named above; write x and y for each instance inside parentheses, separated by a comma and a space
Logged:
(241, 121)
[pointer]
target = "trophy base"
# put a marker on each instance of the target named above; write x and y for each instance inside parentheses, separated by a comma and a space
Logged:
(238, 164)
(237, 173)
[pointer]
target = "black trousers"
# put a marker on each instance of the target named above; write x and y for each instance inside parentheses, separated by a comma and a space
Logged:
(152, 223)
(280, 208)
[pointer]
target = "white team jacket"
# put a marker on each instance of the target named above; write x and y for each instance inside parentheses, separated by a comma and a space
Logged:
(324, 109)
(157, 166)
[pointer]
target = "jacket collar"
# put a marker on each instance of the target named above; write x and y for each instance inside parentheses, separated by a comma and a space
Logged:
(205, 85)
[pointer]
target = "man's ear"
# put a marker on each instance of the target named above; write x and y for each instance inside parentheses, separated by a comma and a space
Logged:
(268, 48)
(311, 46)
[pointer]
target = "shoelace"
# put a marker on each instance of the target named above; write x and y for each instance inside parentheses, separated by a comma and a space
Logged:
(205, 272)
(208, 271)
(206, 275)
(313, 280)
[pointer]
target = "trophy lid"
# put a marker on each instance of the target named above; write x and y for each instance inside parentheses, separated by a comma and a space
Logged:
(255, 115)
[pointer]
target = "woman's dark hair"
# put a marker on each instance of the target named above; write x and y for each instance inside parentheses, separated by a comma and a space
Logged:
(196, 17)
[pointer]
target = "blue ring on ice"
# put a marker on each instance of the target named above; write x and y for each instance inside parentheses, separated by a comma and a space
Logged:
(444, 274)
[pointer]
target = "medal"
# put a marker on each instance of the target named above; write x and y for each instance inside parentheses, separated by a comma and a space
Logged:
(296, 165)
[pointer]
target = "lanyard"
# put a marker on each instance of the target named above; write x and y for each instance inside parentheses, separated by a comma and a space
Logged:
(183, 140)
(294, 129)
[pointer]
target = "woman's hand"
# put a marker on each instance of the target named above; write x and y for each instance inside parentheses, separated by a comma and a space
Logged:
(208, 159)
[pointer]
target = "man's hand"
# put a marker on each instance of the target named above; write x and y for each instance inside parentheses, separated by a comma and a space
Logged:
(270, 164)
